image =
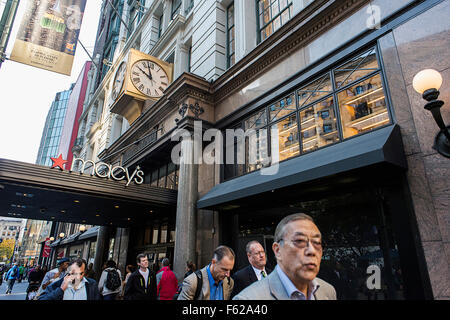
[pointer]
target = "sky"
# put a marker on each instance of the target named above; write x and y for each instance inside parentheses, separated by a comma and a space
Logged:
(26, 92)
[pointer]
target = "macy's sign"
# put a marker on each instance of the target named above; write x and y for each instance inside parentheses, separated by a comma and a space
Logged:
(104, 170)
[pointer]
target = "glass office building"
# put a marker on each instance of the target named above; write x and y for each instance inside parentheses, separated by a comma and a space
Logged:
(51, 134)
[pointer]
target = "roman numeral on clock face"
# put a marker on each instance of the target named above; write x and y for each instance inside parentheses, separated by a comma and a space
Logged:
(137, 80)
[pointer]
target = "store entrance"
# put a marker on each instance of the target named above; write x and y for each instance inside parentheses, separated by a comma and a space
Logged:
(362, 235)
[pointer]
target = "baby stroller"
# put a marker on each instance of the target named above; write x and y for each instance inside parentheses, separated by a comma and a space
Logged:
(32, 290)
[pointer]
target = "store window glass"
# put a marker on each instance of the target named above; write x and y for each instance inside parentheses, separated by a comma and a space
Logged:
(162, 177)
(147, 235)
(284, 138)
(256, 149)
(164, 233)
(282, 108)
(172, 182)
(257, 120)
(363, 107)
(356, 68)
(343, 102)
(315, 90)
(155, 233)
(318, 125)
(154, 178)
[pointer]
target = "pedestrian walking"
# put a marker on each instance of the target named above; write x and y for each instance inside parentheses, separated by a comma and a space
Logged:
(11, 276)
(166, 282)
(141, 284)
(74, 286)
(209, 283)
(34, 279)
(90, 273)
(54, 274)
(256, 271)
(2, 271)
(190, 268)
(110, 283)
(298, 250)
(129, 270)
(21, 271)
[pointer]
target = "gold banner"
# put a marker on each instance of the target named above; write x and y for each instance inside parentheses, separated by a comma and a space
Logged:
(48, 34)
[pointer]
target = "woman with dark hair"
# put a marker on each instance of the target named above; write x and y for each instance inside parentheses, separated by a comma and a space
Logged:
(190, 268)
(110, 284)
(129, 269)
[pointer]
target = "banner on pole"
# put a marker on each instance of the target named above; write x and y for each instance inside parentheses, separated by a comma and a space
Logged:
(46, 251)
(48, 34)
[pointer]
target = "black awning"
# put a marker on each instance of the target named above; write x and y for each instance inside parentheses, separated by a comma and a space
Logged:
(380, 146)
(91, 233)
(71, 238)
(55, 243)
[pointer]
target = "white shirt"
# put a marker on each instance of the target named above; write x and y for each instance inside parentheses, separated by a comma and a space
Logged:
(101, 283)
(258, 272)
(76, 294)
(145, 275)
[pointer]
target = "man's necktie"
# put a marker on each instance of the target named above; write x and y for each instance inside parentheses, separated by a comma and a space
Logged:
(263, 274)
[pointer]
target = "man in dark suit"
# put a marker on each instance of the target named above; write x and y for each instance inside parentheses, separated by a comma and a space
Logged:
(255, 271)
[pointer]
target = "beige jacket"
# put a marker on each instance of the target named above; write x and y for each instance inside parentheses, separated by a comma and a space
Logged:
(190, 286)
(271, 288)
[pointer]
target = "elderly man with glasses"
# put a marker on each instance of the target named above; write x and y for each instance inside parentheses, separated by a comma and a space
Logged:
(298, 250)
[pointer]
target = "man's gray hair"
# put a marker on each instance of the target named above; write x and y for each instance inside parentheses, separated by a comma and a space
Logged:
(222, 251)
(165, 262)
(248, 246)
(280, 230)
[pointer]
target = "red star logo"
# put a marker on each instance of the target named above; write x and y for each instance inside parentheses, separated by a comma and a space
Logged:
(58, 162)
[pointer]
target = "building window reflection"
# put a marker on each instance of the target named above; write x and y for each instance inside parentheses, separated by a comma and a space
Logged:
(340, 103)
(272, 14)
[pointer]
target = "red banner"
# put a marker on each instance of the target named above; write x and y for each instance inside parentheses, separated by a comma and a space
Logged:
(46, 251)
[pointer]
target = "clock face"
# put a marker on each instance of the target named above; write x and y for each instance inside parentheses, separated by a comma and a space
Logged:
(149, 78)
(118, 80)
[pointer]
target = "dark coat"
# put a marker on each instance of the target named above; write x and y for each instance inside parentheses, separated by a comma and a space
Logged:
(136, 290)
(54, 291)
(243, 278)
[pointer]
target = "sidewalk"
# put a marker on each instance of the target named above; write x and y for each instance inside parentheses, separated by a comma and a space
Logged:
(18, 291)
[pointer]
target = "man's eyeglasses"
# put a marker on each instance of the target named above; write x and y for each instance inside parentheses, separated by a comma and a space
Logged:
(259, 253)
(303, 242)
(77, 274)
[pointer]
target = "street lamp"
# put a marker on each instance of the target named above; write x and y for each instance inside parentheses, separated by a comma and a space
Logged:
(427, 82)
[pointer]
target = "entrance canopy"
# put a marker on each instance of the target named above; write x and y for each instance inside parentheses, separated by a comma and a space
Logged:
(31, 191)
(379, 149)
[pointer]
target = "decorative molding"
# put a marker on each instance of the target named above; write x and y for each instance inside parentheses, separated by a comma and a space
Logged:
(300, 30)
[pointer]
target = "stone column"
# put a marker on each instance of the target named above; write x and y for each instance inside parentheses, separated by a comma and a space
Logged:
(101, 247)
(185, 241)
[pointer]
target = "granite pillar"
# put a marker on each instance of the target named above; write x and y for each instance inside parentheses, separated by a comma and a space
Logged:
(101, 248)
(186, 209)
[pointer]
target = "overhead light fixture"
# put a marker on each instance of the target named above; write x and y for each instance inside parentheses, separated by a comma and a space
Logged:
(76, 201)
(52, 239)
(97, 215)
(61, 235)
(82, 228)
(63, 211)
(117, 207)
(428, 82)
